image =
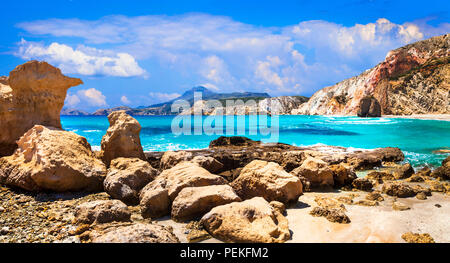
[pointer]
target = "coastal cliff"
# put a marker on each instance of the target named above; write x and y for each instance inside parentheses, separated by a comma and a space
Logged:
(34, 93)
(414, 79)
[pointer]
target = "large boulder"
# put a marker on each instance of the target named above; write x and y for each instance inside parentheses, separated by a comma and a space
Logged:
(268, 180)
(121, 138)
(443, 171)
(253, 220)
(156, 197)
(403, 172)
(193, 202)
(133, 233)
(102, 211)
(170, 159)
(369, 107)
(126, 177)
(209, 163)
(316, 172)
(342, 175)
(34, 93)
(52, 159)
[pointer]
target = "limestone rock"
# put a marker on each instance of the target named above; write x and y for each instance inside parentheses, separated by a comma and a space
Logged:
(316, 172)
(33, 94)
(253, 220)
(362, 184)
(400, 206)
(268, 180)
(398, 190)
(209, 163)
(369, 107)
(403, 172)
(102, 211)
(170, 159)
(55, 160)
(126, 177)
(411, 237)
(155, 198)
(134, 233)
(342, 175)
(194, 202)
(121, 138)
(331, 214)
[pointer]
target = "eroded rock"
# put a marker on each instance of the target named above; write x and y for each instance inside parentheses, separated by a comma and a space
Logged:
(194, 202)
(126, 177)
(316, 172)
(253, 220)
(121, 138)
(102, 211)
(52, 159)
(268, 180)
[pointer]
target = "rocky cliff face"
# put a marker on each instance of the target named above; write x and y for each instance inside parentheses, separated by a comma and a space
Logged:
(34, 93)
(414, 79)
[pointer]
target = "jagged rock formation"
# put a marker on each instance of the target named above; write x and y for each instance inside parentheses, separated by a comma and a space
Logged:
(121, 138)
(414, 79)
(34, 93)
(52, 159)
(369, 107)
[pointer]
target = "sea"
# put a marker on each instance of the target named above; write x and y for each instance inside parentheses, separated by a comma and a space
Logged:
(418, 139)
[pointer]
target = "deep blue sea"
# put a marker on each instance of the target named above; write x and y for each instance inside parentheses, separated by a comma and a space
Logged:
(417, 138)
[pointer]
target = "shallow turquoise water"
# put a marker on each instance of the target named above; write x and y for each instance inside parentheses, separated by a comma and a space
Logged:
(417, 138)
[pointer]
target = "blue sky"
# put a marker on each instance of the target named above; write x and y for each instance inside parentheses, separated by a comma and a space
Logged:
(143, 52)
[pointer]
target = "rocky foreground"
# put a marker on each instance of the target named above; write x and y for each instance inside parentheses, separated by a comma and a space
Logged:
(55, 189)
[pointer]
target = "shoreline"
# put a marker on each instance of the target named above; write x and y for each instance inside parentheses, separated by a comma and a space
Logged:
(435, 117)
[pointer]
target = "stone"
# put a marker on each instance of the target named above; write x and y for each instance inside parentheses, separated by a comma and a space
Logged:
(54, 160)
(403, 172)
(369, 107)
(362, 184)
(342, 175)
(232, 141)
(411, 237)
(126, 177)
(421, 196)
(102, 211)
(268, 180)
(121, 138)
(443, 171)
(316, 172)
(250, 221)
(375, 196)
(415, 178)
(436, 186)
(33, 94)
(279, 206)
(193, 202)
(400, 206)
(380, 177)
(209, 163)
(170, 159)
(196, 232)
(134, 233)
(367, 203)
(332, 215)
(155, 198)
(398, 190)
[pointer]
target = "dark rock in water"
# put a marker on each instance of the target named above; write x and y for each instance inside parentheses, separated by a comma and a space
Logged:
(233, 141)
(369, 107)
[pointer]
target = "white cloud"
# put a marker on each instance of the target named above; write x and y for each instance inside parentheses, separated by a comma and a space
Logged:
(125, 100)
(91, 97)
(83, 60)
(163, 97)
(227, 53)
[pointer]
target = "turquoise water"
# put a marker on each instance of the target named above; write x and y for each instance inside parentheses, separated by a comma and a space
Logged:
(417, 138)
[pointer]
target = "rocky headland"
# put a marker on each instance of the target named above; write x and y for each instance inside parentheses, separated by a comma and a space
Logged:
(413, 79)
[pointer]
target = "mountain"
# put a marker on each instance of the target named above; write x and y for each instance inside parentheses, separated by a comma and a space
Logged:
(165, 108)
(73, 112)
(414, 79)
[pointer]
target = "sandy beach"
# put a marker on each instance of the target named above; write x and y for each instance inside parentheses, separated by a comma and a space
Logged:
(438, 117)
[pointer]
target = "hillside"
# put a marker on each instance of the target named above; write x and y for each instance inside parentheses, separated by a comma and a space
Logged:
(414, 79)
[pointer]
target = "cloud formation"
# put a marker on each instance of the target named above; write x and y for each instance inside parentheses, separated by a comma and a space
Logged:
(227, 54)
(162, 97)
(83, 60)
(92, 97)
